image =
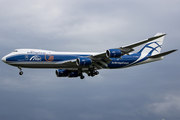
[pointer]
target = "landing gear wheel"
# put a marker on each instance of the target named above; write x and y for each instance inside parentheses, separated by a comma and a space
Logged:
(82, 77)
(21, 72)
(92, 72)
(89, 74)
(96, 72)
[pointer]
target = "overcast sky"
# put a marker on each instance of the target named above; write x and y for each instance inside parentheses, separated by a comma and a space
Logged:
(145, 92)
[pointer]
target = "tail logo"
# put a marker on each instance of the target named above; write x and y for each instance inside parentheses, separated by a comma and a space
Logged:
(149, 49)
(153, 46)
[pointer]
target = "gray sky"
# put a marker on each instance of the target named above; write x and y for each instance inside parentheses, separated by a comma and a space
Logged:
(146, 92)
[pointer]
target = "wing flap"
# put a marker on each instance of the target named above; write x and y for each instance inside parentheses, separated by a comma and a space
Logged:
(100, 60)
(67, 62)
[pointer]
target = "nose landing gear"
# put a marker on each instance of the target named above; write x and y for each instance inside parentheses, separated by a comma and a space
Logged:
(21, 72)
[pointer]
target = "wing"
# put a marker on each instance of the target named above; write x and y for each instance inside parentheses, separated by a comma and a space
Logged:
(102, 60)
(144, 41)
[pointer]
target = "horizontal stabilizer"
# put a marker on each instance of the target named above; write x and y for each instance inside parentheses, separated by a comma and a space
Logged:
(162, 54)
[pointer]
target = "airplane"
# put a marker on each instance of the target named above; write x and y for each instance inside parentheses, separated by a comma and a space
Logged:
(74, 64)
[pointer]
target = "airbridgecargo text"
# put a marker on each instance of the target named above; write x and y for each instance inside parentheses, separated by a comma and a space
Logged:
(32, 52)
(125, 63)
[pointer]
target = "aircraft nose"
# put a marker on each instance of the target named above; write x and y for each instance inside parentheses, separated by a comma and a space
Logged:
(4, 59)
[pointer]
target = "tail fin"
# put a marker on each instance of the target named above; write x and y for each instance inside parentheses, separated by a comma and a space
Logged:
(153, 47)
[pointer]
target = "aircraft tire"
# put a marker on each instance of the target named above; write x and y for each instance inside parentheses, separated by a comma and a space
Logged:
(96, 72)
(21, 73)
(82, 77)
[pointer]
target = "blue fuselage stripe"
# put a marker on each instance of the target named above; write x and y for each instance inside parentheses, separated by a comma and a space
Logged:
(54, 58)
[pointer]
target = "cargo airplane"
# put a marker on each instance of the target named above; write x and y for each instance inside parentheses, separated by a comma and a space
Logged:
(74, 64)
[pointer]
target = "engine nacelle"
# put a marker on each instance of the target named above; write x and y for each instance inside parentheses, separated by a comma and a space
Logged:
(66, 73)
(62, 73)
(113, 53)
(83, 61)
(73, 74)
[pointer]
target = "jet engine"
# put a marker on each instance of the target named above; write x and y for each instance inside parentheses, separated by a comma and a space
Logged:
(83, 61)
(62, 73)
(73, 74)
(113, 53)
(66, 73)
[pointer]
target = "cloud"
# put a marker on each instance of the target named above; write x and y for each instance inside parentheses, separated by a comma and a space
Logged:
(168, 104)
(149, 91)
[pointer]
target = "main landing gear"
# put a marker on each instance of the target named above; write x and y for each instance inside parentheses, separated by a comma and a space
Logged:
(21, 72)
(81, 76)
(93, 72)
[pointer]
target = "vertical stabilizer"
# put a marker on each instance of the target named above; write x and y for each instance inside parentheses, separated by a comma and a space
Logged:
(153, 47)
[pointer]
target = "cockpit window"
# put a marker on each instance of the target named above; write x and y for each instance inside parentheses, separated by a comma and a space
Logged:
(15, 51)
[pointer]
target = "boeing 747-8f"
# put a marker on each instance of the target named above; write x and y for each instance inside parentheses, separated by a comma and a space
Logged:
(74, 64)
